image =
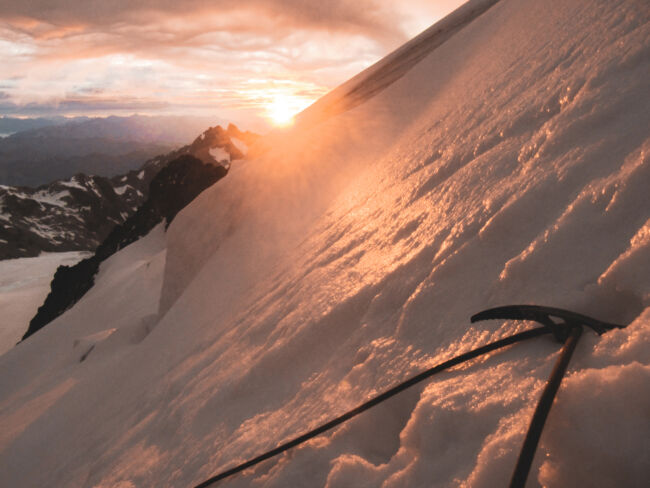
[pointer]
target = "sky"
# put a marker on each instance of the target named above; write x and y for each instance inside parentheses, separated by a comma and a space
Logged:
(255, 62)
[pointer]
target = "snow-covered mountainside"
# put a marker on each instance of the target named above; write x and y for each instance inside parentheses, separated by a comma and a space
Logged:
(74, 214)
(79, 213)
(509, 165)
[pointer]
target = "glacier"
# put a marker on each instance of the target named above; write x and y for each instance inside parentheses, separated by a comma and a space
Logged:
(508, 164)
(24, 283)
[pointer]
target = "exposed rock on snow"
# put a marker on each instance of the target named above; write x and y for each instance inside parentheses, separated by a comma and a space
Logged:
(74, 214)
(80, 212)
(218, 144)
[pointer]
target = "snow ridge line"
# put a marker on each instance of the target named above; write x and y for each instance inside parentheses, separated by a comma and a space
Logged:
(474, 353)
(394, 66)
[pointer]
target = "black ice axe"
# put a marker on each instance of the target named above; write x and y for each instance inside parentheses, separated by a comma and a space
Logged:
(566, 331)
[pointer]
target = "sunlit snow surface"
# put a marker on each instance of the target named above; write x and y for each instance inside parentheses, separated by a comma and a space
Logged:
(508, 166)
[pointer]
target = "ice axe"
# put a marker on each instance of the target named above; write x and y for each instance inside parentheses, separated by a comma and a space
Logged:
(568, 332)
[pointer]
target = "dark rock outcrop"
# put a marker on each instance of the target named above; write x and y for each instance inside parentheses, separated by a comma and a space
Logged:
(175, 185)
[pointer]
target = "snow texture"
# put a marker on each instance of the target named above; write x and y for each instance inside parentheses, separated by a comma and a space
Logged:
(509, 165)
(219, 154)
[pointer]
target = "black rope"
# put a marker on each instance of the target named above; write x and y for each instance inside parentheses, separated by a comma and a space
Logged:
(521, 336)
(529, 447)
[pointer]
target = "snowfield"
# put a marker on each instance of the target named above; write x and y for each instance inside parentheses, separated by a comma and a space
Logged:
(509, 165)
(24, 284)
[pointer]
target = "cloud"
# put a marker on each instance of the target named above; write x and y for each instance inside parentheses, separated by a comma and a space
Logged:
(276, 37)
(232, 56)
(62, 18)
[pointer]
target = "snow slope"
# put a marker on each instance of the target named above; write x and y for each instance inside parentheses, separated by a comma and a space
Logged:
(24, 283)
(510, 165)
(39, 375)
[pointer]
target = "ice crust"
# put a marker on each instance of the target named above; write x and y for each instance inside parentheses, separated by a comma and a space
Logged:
(510, 165)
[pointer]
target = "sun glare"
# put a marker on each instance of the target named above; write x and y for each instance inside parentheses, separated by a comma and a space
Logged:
(281, 110)
(283, 107)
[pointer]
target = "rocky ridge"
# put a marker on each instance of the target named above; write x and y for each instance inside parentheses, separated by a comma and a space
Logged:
(78, 213)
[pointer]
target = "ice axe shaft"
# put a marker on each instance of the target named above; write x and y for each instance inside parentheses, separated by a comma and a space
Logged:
(525, 460)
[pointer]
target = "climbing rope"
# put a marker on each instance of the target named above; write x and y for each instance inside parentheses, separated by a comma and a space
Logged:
(568, 332)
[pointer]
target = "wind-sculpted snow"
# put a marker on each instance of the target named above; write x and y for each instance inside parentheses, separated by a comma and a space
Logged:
(508, 166)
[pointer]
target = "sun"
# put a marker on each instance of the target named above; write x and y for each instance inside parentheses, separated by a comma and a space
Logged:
(281, 110)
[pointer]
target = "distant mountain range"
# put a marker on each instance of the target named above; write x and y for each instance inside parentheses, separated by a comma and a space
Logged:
(79, 212)
(45, 150)
(11, 125)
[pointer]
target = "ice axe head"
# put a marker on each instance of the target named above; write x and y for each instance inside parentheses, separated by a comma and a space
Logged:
(541, 314)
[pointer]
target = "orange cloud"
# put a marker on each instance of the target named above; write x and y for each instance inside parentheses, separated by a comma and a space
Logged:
(369, 17)
(225, 56)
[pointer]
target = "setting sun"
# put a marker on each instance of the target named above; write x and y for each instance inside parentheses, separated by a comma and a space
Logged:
(281, 110)
(283, 107)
